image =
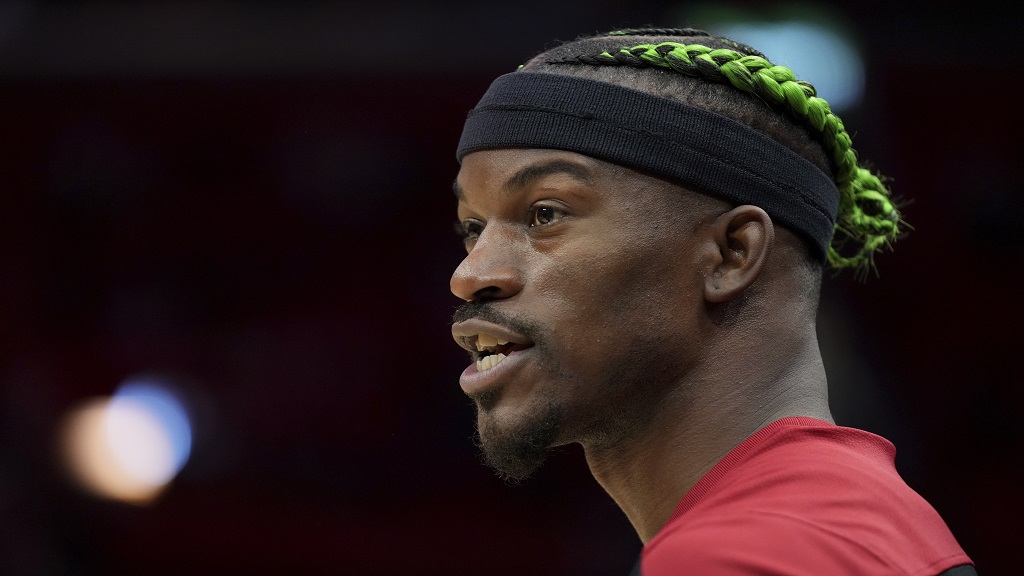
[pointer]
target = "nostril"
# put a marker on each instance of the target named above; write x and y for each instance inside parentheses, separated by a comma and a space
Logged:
(486, 294)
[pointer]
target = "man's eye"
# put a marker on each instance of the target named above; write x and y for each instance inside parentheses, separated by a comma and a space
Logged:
(541, 215)
(469, 229)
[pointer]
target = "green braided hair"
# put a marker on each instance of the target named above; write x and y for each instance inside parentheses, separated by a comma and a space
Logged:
(868, 219)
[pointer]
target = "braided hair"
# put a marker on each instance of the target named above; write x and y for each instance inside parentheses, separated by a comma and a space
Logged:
(734, 80)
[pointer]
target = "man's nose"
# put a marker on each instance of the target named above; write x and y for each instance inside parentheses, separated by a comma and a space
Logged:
(489, 271)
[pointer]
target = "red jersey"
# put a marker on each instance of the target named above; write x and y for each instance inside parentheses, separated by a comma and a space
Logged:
(803, 496)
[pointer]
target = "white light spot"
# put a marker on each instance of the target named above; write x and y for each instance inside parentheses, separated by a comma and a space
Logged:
(128, 447)
(149, 430)
(138, 443)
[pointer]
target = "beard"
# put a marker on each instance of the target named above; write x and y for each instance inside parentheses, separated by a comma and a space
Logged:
(628, 390)
(516, 453)
(631, 388)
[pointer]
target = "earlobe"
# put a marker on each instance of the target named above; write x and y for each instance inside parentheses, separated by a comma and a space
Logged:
(743, 236)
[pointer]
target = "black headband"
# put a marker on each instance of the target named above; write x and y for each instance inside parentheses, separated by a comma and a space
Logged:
(678, 142)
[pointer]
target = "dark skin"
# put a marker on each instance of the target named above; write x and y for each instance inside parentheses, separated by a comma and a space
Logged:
(657, 327)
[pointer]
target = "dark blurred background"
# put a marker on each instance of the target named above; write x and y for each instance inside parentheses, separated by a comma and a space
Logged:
(252, 202)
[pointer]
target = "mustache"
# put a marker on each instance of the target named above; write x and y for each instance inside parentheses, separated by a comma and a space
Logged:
(486, 311)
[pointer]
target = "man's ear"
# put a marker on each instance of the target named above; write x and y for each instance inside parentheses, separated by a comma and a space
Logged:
(743, 236)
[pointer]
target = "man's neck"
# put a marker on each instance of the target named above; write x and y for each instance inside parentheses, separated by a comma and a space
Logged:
(702, 421)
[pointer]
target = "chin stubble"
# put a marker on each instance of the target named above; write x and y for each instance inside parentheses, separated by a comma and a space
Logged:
(632, 388)
(516, 453)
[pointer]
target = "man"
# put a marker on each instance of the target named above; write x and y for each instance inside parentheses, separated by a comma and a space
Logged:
(647, 214)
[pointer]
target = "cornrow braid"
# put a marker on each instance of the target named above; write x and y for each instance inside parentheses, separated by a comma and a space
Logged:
(684, 32)
(868, 219)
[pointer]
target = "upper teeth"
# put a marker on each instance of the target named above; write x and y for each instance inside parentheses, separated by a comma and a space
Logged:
(484, 341)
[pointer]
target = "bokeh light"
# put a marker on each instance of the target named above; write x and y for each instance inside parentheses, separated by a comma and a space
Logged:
(148, 430)
(130, 446)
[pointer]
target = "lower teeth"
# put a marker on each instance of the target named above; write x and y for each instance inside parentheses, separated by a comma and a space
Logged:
(488, 362)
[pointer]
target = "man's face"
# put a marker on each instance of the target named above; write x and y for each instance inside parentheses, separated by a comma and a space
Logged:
(582, 294)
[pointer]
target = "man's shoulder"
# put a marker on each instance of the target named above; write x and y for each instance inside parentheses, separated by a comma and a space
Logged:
(751, 543)
(791, 465)
(807, 499)
(775, 542)
(815, 470)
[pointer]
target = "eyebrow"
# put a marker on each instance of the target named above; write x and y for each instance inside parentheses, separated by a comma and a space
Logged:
(529, 174)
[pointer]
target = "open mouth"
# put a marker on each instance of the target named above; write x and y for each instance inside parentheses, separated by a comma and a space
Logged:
(488, 343)
(491, 350)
